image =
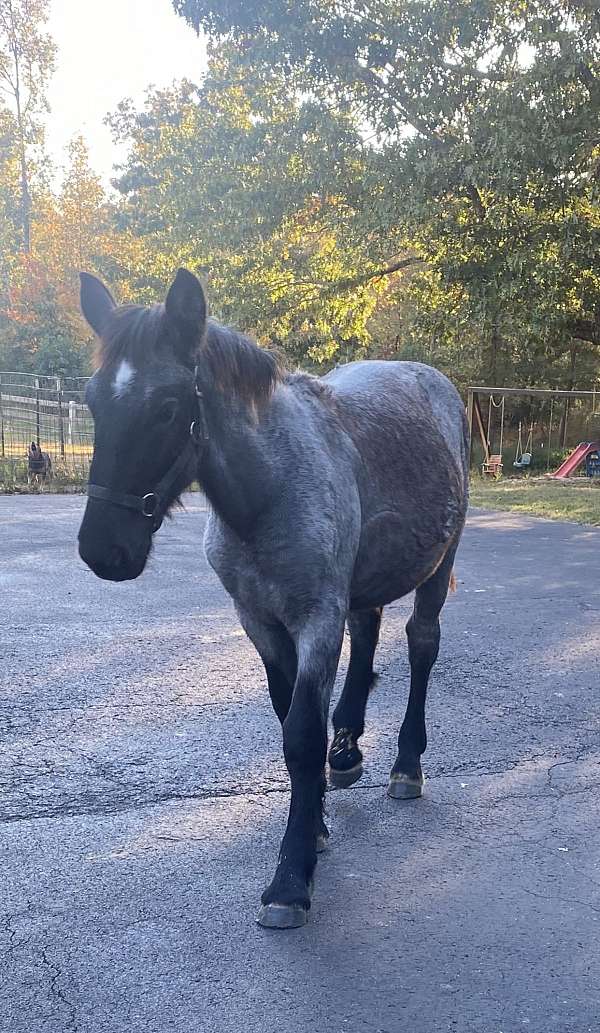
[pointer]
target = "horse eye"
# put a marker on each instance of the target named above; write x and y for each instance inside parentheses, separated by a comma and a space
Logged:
(167, 413)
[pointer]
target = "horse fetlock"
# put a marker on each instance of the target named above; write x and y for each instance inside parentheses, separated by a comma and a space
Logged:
(286, 901)
(344, 752)
(345, 760)
(322, 836)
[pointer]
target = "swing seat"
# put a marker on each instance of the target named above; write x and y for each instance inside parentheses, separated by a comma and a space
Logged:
(493, 468)
(525, 460)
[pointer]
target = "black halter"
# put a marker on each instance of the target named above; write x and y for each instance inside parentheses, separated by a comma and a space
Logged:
(153, 505)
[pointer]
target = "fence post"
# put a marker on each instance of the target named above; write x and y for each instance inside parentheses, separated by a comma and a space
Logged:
(1, 422)
(71, 421)
(37, 411)
(61, 430)
(470, 424)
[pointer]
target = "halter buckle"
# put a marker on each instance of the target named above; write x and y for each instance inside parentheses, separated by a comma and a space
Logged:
(150, 504)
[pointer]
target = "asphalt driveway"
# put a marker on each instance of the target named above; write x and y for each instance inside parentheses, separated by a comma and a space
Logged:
(143, 795)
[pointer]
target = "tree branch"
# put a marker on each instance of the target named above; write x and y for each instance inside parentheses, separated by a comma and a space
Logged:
(474, 195)
(475, 73)
(357, 281)
(586, 330)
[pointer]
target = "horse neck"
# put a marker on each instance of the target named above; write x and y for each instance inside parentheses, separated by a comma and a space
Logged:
(236, 472)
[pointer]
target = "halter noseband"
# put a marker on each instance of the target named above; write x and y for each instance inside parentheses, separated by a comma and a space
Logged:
(153, 505)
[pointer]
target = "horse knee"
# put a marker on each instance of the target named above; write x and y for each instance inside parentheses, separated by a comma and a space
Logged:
(305, 740)
(318, 648)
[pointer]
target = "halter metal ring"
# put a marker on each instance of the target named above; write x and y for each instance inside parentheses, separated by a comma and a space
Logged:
(150, 504)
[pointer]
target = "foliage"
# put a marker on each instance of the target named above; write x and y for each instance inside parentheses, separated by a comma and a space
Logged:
(26, 63)
(258, 188)
(399, 178)
(41, 329)
(488, 160)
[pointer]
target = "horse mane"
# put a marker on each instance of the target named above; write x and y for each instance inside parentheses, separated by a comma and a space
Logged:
(228, 359)
(236, 365)
(133, 333)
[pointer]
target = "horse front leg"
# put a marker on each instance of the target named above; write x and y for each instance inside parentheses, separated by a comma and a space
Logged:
(286, 902)
(280, 691)
(278, 654)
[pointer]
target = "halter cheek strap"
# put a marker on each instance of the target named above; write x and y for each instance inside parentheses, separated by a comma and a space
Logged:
(153, 505)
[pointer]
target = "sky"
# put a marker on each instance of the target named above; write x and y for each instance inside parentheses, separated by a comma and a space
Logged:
(108, 51)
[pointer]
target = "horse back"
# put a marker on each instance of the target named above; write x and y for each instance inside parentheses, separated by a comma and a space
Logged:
(408, 425)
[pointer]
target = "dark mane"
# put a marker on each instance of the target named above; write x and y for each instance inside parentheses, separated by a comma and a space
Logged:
(236, 365)
(134, 333)
(229, 360)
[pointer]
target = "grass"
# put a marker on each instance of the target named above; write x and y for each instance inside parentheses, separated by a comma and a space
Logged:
(18, 449)
(541, 497)
(67, 477)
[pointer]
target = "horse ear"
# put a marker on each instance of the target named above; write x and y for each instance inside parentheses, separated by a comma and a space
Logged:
(96, 302)
(186, 310)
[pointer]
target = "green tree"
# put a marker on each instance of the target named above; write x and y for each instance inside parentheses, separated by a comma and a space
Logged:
(82, 205)
(487, 125)
(26, 63)
(257, 187)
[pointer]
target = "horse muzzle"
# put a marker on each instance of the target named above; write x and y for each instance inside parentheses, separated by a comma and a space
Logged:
(112, 555)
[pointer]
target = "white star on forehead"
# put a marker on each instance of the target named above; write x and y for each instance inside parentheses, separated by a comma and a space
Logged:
(123, 379)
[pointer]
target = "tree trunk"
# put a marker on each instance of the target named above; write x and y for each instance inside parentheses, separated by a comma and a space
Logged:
(25, 195)
(564, 419)
(494, 350)
(25, 204)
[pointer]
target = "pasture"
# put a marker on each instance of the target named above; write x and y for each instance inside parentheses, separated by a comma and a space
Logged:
(577, 499)
(144, 795)
(49, 410)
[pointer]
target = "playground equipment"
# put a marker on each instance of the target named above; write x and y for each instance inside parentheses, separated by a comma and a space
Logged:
(523, 456)
(576, 458)
(493, 463)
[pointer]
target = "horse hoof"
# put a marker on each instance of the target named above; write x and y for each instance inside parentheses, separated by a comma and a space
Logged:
(343, 779)
(282, 916)
(402, 787)
(322, 842)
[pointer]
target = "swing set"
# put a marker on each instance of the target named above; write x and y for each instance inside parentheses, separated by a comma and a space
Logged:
(493, 465)
(493, 462)
(523, 456)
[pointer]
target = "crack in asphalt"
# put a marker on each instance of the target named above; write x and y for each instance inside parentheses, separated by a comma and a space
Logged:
(57, 993)
(66, 811)
(562, 900)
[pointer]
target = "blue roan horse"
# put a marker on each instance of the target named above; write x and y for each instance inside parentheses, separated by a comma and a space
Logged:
(329, 499)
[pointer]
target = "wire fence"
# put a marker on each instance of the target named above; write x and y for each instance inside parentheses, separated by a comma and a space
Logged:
(51, 412)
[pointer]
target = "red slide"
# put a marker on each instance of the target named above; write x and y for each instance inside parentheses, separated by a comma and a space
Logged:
(575, 459)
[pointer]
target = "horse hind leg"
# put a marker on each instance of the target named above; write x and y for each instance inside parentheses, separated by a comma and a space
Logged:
(345, 757)
(423, 631)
